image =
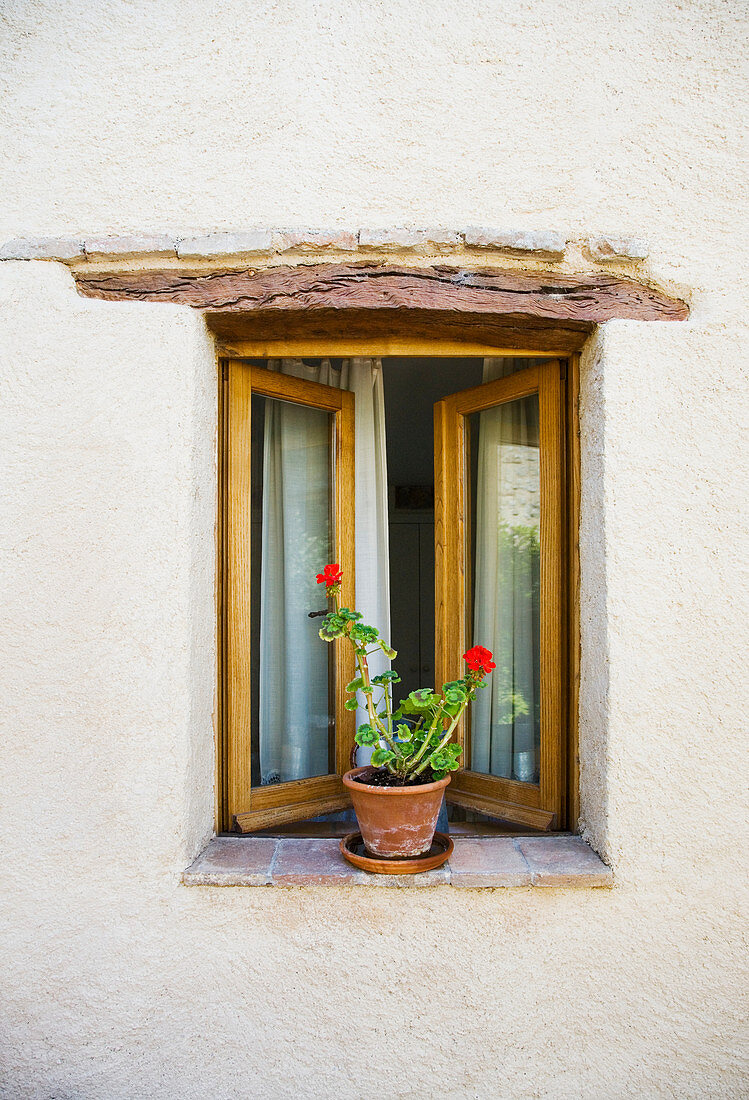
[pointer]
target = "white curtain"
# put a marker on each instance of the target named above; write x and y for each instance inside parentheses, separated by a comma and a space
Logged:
(293, 681)
(505, 717)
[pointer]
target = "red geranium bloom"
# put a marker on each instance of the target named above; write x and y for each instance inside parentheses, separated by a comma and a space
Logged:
(479, 659)
(330, 575)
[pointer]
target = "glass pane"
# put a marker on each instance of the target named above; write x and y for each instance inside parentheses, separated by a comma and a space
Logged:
(503, 587)
(293, 671)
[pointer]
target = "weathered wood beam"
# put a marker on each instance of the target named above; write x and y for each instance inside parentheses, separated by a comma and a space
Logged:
(371, 287)
(384, 325)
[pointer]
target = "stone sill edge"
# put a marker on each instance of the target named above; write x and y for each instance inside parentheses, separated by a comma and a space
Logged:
(477, 862)
(267, 242)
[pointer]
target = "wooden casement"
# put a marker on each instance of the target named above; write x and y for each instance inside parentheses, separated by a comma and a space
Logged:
(247, 809)
(537, 805)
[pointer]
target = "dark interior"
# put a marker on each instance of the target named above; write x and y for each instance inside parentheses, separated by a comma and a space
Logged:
(412, 387)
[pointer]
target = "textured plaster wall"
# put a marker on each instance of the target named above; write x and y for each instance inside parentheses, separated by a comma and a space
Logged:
(115, 982)
(124, 115)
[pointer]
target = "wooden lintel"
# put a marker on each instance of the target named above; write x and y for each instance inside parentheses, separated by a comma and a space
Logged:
(391, 330)
(373, 289)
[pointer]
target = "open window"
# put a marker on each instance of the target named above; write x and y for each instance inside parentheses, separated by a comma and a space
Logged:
(469, 491)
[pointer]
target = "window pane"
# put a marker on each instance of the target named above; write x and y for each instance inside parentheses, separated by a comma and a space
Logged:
(292, 678)
(503, 587)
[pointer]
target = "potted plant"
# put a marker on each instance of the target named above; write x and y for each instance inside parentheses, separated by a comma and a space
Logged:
(398, 796)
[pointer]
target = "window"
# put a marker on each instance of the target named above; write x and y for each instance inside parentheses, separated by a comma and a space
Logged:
(498, 529)
(470, 531)
(289, 503)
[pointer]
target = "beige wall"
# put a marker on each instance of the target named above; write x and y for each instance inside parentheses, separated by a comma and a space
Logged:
(117, 982)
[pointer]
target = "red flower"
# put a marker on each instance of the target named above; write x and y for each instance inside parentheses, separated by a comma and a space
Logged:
(330, 575)
(479, 659)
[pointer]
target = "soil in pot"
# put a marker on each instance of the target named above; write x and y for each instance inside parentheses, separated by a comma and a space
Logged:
(381, 777)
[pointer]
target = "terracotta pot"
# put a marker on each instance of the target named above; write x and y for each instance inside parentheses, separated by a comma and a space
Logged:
(396, 822)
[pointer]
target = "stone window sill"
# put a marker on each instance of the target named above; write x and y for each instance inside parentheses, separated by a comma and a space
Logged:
(484, 862)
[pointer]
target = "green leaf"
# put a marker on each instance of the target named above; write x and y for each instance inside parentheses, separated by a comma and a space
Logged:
(350, 704)
(406, 749)
(389, 652)
(405, 707)
(355, 684)
(438, 775)
(382, 756)
(403, 732)
(366, 735)
(422, 698)
(387, 677)
(446, 759)
(329, 631)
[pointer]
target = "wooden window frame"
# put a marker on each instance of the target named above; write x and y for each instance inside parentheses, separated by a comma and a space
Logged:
(233, 755)
(247, 808)
(535, 805)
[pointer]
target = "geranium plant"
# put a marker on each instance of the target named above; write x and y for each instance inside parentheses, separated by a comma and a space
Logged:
(414, 736)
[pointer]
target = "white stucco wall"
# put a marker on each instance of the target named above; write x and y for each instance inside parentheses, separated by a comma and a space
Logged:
(117, 982)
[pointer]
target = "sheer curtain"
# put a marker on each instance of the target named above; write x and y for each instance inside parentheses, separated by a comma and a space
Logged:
(505, 722)
(293, 681)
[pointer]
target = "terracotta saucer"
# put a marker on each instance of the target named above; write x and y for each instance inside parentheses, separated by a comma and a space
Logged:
(352, 849)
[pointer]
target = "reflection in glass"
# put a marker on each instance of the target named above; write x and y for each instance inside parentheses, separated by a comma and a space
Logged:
(292, 537)
(505, 557)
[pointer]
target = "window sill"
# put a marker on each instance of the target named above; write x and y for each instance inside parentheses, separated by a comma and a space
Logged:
(561, 861)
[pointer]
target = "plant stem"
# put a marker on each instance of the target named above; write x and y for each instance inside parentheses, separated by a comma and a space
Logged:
(388, 707)
(445, 739)
(425, 744)
(373, 716)
(361, 661)
(472, 681)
